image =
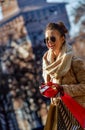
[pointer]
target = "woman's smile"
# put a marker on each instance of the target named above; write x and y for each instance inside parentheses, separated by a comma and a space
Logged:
(51, 46)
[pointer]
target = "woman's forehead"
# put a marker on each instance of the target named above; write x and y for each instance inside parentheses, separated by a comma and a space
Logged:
(51, 32)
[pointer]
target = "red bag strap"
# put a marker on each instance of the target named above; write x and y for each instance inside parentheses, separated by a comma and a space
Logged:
(75, 108)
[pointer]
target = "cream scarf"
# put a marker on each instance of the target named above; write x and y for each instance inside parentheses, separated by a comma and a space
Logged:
(60, 66)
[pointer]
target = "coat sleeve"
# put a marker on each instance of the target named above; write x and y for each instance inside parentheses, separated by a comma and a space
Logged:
(78, 89)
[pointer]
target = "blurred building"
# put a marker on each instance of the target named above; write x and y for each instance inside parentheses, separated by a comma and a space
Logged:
(36, 14)
(9, 7)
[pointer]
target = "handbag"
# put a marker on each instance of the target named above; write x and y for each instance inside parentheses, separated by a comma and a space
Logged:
(60, 118)
(66, 114)
(51, 118)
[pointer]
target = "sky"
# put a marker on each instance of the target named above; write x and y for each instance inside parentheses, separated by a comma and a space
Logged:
(69, 7)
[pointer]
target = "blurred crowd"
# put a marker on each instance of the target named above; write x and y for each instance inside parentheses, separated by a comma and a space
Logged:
(21, 67)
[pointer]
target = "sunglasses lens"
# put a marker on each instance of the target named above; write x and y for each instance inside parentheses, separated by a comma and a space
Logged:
(46, 40)
(53, 39)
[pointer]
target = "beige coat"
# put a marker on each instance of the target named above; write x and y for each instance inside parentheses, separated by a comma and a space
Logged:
(68, 71)
(74, 81)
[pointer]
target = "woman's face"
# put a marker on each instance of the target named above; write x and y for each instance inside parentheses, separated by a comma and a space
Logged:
(54, 40)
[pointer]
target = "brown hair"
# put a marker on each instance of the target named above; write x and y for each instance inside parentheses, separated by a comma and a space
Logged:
(57, 26)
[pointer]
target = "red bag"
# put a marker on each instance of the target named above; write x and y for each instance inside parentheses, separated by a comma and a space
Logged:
(75, 108)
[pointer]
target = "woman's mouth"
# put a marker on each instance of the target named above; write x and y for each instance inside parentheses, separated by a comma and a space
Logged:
(51, 46)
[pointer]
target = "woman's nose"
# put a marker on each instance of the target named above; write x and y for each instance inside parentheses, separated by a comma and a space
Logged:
(49, 41)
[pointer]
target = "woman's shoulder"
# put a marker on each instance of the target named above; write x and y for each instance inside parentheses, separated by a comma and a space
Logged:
(78, 67)
(77, 60)
(78, 63)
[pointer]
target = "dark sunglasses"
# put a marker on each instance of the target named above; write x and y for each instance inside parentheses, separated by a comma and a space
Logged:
(52, 39)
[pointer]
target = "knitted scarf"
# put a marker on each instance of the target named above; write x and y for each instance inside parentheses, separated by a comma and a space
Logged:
(60, 66)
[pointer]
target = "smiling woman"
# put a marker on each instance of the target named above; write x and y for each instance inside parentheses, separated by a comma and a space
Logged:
(54, 39)
(63, 74)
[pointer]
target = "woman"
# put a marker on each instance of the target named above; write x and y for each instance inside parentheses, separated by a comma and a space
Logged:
(60, 66)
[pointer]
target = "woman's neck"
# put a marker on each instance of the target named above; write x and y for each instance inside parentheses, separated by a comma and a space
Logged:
(56, 53)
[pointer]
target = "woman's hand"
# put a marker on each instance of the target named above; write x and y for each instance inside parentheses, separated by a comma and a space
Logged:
(51, 89)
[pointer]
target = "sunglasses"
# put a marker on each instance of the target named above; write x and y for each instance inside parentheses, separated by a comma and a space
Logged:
(52, 39)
